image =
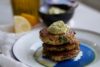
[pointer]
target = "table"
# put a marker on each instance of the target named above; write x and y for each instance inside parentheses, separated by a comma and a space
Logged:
(86, 18)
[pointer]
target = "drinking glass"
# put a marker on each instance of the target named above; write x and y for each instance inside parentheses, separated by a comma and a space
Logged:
(6, 16)
(26, 6)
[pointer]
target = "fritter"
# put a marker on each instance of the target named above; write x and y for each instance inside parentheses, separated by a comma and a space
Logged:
(68, 46)
(57, 39)
(60, 56)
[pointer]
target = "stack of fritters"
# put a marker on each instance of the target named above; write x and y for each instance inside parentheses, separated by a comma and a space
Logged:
(59, 47)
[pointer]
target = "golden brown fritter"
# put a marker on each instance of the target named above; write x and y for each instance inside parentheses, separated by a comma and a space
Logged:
(59, 39)
(60, 56)
(67, 46)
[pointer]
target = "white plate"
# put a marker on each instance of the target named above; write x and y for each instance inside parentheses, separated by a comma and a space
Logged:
(25, 47)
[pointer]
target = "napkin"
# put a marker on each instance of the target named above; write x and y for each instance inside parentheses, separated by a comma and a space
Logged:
(9, 62)
(7, 40)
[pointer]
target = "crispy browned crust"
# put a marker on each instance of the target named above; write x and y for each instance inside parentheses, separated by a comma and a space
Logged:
(59, 39)
(61, 56)
(67, 46)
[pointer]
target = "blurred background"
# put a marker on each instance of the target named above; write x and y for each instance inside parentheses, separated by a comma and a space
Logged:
(85, 13)
(92, 3)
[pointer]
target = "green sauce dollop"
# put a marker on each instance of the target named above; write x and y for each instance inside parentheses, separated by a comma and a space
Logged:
(58, 27)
